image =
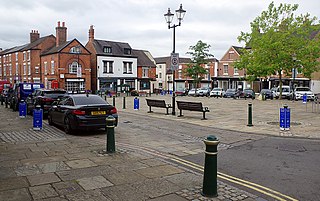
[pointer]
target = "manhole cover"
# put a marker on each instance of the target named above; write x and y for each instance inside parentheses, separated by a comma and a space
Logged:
(291, 148)
(277, 123)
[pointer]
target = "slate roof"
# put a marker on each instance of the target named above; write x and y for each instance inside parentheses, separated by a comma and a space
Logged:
(35, 43)
(143, 59)
(117, 48)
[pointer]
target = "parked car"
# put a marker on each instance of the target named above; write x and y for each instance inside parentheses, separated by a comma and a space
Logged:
(274, 91)
(181, 92)
(81, 111)
(217, 92)
(204, 91)
(44, 98)
(193, 92)
(300, 91)
(247, 93)
(232, 93)
(286, 92)
(267, 94)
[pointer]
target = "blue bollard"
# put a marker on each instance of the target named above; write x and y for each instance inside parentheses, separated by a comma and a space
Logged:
(37, 118)
(22, 109)
(136, 103)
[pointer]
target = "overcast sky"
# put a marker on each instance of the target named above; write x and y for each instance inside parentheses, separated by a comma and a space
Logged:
(140, 23)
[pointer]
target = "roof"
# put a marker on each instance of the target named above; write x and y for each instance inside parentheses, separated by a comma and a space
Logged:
(56, 49)
(25, 47)
(143, 59)
(117, 48)
(35, 43)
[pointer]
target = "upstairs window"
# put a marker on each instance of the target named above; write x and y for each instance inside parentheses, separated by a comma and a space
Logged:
(75, 50)
(127, 51)
(127, 67)
(24, 69)
(108, 67)
(24, 56)
(107, 49)
(52, 67)
(225, 69)
(17, 68)
(236, 71)
(28, 54)
(29, 69)
(145, 72)
(73, 68)
(45, 67)
(16, 56)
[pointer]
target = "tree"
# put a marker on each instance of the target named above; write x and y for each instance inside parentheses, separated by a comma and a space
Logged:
(280, 41)
(200, 55)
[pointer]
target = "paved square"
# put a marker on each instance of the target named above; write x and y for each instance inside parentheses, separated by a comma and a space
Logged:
(91, 183)
(83, 163)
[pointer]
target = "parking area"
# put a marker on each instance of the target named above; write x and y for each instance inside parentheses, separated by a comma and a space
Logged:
(232, 114)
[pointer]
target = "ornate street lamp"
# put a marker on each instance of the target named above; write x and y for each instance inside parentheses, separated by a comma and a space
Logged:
(169, 17)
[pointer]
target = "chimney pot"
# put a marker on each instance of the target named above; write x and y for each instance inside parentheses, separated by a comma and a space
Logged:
(63, 24)
(58, 23)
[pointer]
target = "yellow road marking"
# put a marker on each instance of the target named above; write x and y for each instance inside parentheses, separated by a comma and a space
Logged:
(220, 175)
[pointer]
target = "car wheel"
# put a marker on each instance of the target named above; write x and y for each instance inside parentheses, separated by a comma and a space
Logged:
(50, 122)
(67, 126)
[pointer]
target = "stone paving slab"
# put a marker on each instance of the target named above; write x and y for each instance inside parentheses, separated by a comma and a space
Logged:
(13, 183)
(68, 187)
(159, 171)
(83, 163)
(170, 197)
(92, 195)
(91, 183)
(41, 179)
(42, 192)
(15, 195)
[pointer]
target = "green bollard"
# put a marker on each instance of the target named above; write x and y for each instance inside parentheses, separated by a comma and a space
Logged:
(210, 186)
(114, 101)
(124, 102)
(111, 147)
(249, 114)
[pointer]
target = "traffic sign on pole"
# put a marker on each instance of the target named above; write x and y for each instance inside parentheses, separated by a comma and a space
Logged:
(174, 61)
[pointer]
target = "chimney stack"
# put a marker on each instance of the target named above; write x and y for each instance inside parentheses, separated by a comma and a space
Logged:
(61, 34)
(91, 33)
(34, 35)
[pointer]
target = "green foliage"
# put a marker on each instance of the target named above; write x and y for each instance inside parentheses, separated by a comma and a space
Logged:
(280, 41)
(200, 55)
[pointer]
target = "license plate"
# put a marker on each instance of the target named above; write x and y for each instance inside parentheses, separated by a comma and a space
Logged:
(98, 112)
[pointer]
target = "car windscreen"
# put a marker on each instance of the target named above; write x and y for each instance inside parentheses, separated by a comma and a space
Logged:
(231, 90)
(88, 100)
(54, 94)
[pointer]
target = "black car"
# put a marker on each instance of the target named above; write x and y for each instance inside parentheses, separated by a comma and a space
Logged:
(232, 93)
(267, 93)
(44, 98)
(81, 111)
(247, 93)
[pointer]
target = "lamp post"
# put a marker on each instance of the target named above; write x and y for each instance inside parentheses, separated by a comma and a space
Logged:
(169, 17)
(293, 74)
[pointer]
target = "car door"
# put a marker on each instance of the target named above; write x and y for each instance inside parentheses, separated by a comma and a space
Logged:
(63, 109)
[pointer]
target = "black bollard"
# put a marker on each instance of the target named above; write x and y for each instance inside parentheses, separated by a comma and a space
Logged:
(210, 186)
(249, 114)
(114, 101)
(124, 102)
(111, 147)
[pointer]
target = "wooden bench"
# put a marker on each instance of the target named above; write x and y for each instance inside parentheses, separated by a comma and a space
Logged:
(158, 103)
(192, 106)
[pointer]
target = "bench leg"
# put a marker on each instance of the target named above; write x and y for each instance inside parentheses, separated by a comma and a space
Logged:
(180, 115)
(167, 111)
(150, 109)
(204, 116)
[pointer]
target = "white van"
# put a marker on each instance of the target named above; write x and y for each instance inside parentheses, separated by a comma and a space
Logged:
(286, 92)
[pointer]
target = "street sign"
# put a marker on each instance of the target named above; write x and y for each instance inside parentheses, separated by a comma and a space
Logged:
(285, 118)
(174, 61)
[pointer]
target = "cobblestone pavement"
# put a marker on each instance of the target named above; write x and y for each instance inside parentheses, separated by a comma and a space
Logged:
(49, 165)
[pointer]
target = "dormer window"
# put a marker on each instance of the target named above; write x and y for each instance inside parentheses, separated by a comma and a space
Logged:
(127, 51)
(107, 49)
(75, 50)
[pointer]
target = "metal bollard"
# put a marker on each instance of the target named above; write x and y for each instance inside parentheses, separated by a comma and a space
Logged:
(114, 101)
(210, 185)
(111, 147)
(249, 114)
(124, 102)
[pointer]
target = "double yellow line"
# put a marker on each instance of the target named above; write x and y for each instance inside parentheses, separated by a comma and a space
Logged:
(256, 187)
